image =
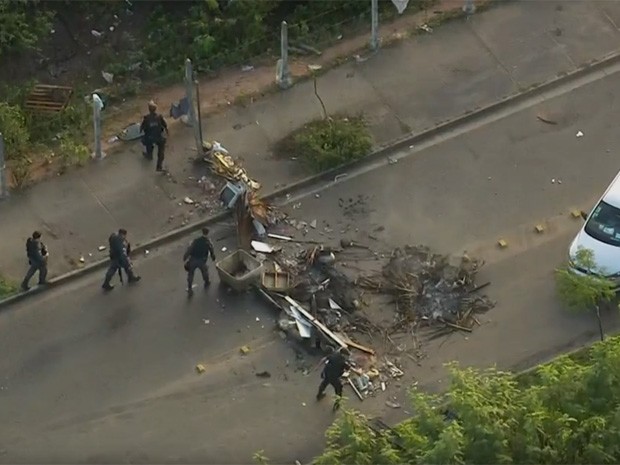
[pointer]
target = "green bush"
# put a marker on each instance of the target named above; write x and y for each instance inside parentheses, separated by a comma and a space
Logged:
(7, 288)
(328, 143)
(14, 128)
(209, 34)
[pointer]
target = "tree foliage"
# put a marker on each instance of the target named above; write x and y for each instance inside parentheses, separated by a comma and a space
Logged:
(22, 25)
(567, 411)
(585, 291)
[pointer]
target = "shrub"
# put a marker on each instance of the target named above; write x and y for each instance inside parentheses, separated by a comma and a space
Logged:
(73, 153)
(14, 129)
(7, 288)
(329, 143)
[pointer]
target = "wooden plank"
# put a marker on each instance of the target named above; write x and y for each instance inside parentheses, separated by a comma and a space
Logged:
(360, 347)
(316, 322)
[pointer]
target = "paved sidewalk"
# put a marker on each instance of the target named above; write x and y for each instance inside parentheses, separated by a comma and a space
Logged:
(408, 87)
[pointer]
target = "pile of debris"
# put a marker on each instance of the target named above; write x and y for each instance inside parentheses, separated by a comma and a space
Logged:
(431, 288)
(321, 305)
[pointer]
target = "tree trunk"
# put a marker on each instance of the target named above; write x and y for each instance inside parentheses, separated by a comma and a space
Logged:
(600, 323)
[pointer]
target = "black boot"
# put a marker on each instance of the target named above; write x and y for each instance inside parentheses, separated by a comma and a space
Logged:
(107, 287)
(134, 279)
(24, 287)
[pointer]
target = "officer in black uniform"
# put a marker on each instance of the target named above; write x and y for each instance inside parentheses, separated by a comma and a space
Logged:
(196, 256)
(37, 259)
(119, 259)
(155, 130)
(335, 366)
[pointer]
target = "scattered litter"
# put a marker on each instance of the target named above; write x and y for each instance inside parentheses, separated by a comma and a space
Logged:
(96, 34)
(247, 68)
(426, 28)
(146, 252)
(383, 386)
(539, 228)
(113, 140)
(316, 196)
(303, 404)
(314, 67)
(502, 243)
(576, 213)
(338, 177)
(553, 181)
(108, 77)
(262, 247)
(263, 374)
(392, 161)
(200, 368)
(82, 260)
(206, 322)
(313, 224)
(278, 236)
(391, 404)
(244, 350)
(579, 134)
(257, 319)
(224, 249)
(545, 120)
(101, 248)
(188, 201)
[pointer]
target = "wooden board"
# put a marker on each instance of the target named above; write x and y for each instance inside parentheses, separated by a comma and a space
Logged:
(48, 99)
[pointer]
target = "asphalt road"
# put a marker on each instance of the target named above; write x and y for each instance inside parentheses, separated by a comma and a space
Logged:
(93, 378)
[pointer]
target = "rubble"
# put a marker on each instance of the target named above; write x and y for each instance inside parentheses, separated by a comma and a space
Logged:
(321, 305)
(431, 288)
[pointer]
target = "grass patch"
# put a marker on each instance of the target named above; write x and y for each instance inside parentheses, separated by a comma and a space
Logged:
(7, 287)
(328, 143)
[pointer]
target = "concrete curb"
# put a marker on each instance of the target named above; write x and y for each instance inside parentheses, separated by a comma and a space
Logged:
(381, 151)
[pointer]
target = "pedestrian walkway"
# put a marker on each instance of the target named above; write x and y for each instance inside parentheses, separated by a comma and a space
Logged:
(407, 87)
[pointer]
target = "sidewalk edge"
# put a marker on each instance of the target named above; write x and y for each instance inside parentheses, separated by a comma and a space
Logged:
(381, 151)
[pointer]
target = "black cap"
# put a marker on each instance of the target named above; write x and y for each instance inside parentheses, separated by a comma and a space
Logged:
(36, 235)
(122, 231)
(205, 231)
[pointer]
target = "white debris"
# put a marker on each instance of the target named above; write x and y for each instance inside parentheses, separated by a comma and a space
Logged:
(96, 33)
(313, 224)
(261, 247)
(579, 134)
(206, 322)
(246, 68)
(553, 181)
(314, 67)
(188, 201)
(101, 248)
(82, 260)
(108, 77)
(224, 249)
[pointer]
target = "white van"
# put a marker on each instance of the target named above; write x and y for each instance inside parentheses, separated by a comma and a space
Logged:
(601, 233)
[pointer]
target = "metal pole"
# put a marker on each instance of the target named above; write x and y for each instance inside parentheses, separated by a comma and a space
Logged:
(470, 7)
(198, 110)
(4, 188)
(284, 76)
(97, 106)
(374, 31)
(189, 93)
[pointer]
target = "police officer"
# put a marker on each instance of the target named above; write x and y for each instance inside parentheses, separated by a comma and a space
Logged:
(37, 259)
(196, 256)
(335, 366)
(153, 127)
(119, 259)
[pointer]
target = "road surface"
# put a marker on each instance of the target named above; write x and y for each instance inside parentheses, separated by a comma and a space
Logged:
(95, 378)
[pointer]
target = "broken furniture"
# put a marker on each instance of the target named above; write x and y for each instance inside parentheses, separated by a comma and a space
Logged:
(239, 270)
(45, 98)
(277, 281)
